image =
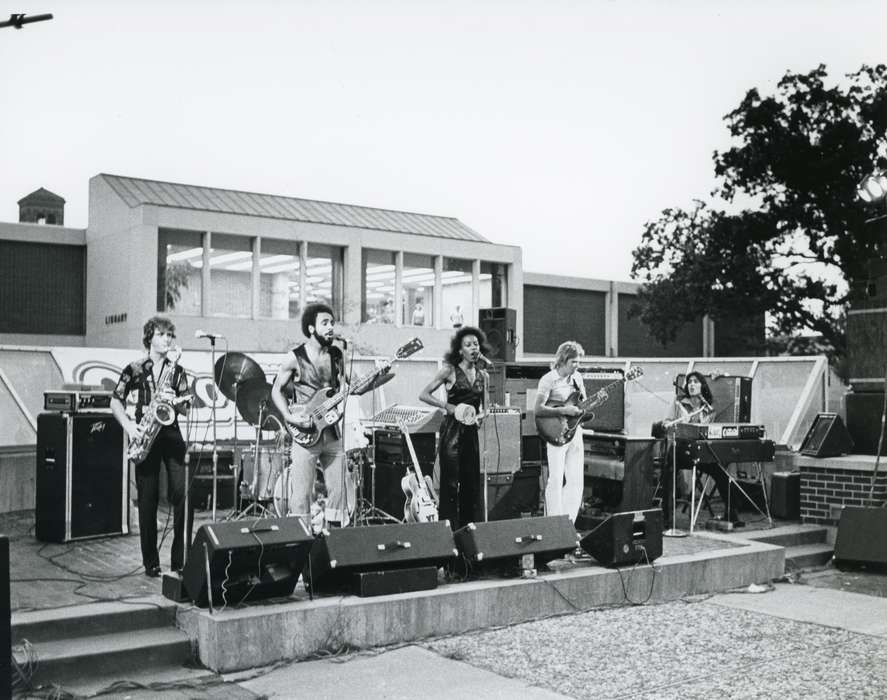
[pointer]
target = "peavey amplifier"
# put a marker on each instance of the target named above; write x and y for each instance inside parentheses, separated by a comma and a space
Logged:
(75, 400)
(719, 431)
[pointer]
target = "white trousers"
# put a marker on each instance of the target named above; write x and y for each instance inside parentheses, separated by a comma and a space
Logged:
(566, 478)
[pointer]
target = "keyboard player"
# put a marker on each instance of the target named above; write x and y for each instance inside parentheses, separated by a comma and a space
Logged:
(693, 405)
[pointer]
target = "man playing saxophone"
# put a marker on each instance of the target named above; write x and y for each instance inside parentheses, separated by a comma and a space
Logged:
(161, 387)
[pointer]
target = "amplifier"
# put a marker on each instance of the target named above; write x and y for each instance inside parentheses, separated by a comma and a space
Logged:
(75, 400)
(719, 431)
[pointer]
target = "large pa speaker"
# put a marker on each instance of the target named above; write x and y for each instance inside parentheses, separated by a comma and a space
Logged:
(5, 622)
(625, 538)
(864, 420)
(731, 397)
(499, 440)
(500, 327)
(512, 495)
(866, 340)
(247, 560)
(546, 538)
(827, 437)
(609, 417)
(391, 460)
(342, 554)
(860, 538)
(82, 477)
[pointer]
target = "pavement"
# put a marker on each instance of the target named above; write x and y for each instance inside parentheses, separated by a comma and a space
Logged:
(823, 636)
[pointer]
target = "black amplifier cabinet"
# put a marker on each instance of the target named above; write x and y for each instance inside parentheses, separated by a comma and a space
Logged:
(82, 477)
(391, 458)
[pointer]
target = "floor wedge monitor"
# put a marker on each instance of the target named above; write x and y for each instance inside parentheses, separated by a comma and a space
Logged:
(619, 539)
(546, 538)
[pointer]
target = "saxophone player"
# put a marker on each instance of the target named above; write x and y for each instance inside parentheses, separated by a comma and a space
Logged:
(157, 378)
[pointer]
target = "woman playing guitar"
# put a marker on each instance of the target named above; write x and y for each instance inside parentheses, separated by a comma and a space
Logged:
(466, 385)
(563, 492)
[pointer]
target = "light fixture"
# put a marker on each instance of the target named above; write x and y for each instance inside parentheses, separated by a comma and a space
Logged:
(873, 188)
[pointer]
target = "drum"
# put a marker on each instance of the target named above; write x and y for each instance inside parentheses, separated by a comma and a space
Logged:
(258, 484)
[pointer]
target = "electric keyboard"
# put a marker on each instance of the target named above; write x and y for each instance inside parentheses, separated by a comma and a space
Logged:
(418, 419)
(719, 431)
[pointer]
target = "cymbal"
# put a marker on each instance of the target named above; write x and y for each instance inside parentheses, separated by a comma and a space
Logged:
(253, 397)
(234, 369)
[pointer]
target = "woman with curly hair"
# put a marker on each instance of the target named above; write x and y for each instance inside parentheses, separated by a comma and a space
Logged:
(466, 384)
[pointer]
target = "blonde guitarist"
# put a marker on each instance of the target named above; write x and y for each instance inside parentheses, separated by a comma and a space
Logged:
(563, 492)
(465, 381)
(311, 366)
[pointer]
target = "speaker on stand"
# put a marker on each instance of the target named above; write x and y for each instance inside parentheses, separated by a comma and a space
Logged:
(500, 327)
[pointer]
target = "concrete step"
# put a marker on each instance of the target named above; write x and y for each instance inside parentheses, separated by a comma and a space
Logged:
(807, 556)
(92, 619)
(787, 535)
(120, 655)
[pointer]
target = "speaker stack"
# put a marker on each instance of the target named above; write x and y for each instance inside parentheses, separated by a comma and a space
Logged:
(246, 560)
(82, 480)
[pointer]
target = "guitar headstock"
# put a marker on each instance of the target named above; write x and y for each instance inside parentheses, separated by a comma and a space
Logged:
(634, 373)
(411, 347)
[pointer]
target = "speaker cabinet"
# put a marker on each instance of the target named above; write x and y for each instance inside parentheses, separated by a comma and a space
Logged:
(864, 420)
(860, 538)
(827, 437)
(342, 553)
(391, 459)
(5, 622)
(731, 397)
(866, 340)
(512, 495)
(82, 477)
(500, 327)
(621, 470)
(625, 538)
(546, 538)
(248, 560)
(499, 440)
(609, 417)
(785, 495)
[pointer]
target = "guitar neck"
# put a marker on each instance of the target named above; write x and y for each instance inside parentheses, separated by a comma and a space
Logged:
(590, 401)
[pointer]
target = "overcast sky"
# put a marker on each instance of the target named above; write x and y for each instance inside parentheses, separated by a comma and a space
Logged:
(558, 126)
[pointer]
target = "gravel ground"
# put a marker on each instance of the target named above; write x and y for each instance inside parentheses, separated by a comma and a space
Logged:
(679, 650)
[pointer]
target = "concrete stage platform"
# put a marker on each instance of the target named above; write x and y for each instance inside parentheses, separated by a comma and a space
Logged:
(264, 632)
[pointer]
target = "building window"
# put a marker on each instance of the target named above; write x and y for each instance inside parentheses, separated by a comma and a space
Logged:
(179, 265)
(456, 293)
(493, 285)
(279, 279)
(417, 290)
(323, 275)
(378, 286)
(230, 275)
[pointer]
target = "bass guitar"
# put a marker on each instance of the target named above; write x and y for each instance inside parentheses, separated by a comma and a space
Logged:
(325, 408)
(559, 430)
(421, 501)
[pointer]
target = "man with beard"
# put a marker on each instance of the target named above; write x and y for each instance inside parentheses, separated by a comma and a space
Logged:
(313, 365)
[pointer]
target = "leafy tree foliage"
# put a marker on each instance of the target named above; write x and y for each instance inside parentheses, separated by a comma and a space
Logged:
(800, 240)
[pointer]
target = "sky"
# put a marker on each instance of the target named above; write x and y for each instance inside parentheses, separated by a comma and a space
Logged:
(558, 126)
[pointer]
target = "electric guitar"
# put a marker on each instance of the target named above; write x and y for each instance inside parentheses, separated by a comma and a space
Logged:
(559, 430)
(325, 408)
(421, 502)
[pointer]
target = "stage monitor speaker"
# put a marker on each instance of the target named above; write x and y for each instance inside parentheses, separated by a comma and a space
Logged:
(341, 554)
(609, 417)
(500, 327)
(391, 460)
(82, 482)
(864, 420)
(5, 621)
(248, 560)
(546, 538)
(827, 437)
(860, 538)
(512, 495)
(731, 397)
(625, 538)
(500, 441)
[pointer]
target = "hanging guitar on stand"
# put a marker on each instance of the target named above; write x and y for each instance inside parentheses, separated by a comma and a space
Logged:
(421, 500)
(559, 430)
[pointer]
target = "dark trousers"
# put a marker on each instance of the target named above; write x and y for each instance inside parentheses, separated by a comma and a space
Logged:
(459, 473)
(169, 448)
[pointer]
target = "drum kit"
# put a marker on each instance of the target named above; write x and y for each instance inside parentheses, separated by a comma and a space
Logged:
(263, 476)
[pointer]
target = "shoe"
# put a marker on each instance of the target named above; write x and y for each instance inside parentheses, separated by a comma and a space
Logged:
(152, 571)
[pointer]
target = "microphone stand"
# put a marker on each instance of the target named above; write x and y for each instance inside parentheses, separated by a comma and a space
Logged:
(673, 531)
(215, 453)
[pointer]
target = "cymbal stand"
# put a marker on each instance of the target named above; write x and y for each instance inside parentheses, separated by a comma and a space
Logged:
(256, 508)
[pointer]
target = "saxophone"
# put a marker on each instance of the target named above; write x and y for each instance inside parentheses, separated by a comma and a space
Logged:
(160, 412)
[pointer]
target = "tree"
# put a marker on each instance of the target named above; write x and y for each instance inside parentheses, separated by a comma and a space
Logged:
(802, 241)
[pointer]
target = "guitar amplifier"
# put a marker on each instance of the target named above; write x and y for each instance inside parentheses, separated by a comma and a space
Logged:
(609, 417)
(499, 440)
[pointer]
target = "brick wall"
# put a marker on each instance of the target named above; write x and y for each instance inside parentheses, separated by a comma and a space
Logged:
(824, 488)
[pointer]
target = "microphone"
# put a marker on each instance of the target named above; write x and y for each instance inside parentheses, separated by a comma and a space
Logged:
(483, 361)
(341, 339)
(204, 334)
